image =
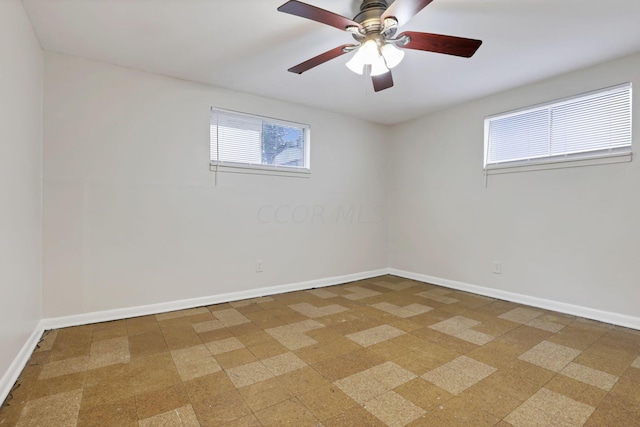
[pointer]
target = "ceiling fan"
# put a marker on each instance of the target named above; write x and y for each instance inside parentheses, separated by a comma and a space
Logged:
(374, 29)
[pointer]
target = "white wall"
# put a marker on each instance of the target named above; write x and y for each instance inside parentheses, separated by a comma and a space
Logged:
(20, 182)
(132, 215)
(568, 235)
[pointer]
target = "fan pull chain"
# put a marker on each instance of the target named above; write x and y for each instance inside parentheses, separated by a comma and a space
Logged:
(367, 80)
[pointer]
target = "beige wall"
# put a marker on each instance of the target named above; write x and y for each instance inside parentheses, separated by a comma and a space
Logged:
(132, 215)
(566, 235)
(20, 182)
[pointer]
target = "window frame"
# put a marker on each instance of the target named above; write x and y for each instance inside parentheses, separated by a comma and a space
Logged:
(258, 168)
(551, 161)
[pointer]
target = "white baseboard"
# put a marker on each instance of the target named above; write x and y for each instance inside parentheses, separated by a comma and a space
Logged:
(547, 304)
(143, 310)
(15, 369)
(561, 307)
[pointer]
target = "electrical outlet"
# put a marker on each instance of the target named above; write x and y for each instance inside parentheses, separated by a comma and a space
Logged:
(258, 266)
(497, 267)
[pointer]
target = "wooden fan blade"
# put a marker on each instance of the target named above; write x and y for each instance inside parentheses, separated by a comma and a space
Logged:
(314, 13)
(439, 43)
(404, 10)
(382, 82)
(320, 59)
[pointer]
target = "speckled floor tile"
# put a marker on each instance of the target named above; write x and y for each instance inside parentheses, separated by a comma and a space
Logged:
(375, 335)
(250, 301)
(230, 317)
(312, 311)
(393, 409)
(48, 338)
(459, 374)
(224, 346)
(184, 416)
(290, 412)
(550, 356)
(64, 367)
(390, 374)
(327, 401)
(322, 293)
(59, 409)
(547, 408)
(460, 327)
(386, 351)
(207, 326)
(395, 286)
(403, 312)
(547, 323)
(169, 315)
(361, 387)
(439, 295)
(293, 336)
(251, 373)
(283, 363)
(521, 315)
(358, 293)
(590, 376)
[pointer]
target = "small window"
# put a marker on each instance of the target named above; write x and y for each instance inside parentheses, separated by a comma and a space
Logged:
(245, 141)
(588, 126)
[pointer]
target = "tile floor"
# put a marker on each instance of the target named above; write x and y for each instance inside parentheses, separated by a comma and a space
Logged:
(380, 352)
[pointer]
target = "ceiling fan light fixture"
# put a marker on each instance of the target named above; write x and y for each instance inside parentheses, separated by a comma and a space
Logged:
(367, 54)
(369, 51)
(379, 67)
(392, 55)
(356, 64)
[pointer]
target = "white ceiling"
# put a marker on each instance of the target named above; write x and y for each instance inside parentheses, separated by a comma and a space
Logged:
(247, 45)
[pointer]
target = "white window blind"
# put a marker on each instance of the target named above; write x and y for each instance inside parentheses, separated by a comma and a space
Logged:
(247, 141)
(597, 124)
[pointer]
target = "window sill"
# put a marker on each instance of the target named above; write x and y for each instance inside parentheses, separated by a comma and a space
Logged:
(559, 163)
(260, 170)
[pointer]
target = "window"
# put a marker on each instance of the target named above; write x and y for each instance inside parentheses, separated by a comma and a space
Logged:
(588, 126)
(246, 141)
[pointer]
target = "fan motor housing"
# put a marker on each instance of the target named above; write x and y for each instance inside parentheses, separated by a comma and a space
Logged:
(370, 13)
